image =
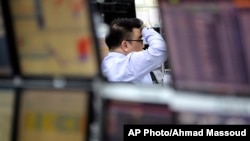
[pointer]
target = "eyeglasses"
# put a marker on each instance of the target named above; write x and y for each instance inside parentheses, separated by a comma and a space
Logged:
(136, 40)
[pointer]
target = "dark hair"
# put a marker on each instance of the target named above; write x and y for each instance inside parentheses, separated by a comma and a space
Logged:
(121, 29)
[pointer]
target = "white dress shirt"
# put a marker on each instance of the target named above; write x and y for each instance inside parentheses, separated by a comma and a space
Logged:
(136, 66)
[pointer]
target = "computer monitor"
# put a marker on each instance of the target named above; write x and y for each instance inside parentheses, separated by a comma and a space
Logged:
(55, 38)
(113, 9)
(128, 104)
(208, 44)
(54, 114)
(7, 97)
(120, 113)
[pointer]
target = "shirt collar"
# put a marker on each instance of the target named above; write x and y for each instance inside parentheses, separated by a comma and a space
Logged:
(116, 54)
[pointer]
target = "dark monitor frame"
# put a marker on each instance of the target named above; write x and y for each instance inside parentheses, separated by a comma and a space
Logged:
(12, 53)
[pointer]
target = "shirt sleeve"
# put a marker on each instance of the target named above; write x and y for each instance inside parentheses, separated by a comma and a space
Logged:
(148, 60)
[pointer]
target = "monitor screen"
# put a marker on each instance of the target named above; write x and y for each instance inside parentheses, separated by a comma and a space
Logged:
(50, 115)
(208, 44)
(55, 38)
(6, 113)
(117, 113)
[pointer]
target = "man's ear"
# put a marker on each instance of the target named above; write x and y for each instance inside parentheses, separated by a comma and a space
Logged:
(124, 46)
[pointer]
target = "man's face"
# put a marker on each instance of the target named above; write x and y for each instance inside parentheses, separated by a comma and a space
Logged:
(136, 42)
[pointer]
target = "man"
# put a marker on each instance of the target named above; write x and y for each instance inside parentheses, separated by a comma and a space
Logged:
(127, 61)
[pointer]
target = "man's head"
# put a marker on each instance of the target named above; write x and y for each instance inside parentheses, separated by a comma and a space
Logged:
(125, 35)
